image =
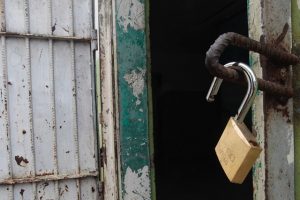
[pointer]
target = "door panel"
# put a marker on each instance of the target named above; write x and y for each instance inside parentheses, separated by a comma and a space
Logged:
(48, 136)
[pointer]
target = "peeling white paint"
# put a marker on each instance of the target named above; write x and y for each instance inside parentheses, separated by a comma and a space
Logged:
(106, 47)
(137, 184)
(131, 13)
(136, 81)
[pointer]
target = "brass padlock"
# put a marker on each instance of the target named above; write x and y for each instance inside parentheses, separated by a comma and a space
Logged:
(237, 149)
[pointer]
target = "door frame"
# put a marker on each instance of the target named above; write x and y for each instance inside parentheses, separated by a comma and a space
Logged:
(273, 173)
(125, 116)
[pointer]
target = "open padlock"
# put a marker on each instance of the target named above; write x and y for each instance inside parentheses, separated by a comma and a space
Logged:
(237, 149)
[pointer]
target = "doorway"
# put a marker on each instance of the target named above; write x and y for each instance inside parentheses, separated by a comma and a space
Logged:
(186, 127)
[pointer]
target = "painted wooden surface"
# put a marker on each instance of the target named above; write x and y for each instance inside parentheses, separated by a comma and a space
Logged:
(47, 120)
(124, 94)
(109, 116)
(131, 59)
(258, 120)
(273, 123)
(296, 85)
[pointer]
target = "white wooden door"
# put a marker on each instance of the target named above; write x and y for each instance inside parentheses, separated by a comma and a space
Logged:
(48, 137)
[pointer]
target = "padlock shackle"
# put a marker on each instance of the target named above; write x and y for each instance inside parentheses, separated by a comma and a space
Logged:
(215, 85)
(251, 90)
(250, 95)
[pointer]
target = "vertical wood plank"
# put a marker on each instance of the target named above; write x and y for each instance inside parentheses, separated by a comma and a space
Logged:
(20, 108)
(86, 126)
(5, 145)
(131, 48)
(83, 20)
(43, 106)
(65, 118)
(296, 85)
(108, 100)
(4, 125)
(17, 23)
(39, 17)
(84, 96)
(61, 18)
(258, 120)
(42, 97)
(65, 114)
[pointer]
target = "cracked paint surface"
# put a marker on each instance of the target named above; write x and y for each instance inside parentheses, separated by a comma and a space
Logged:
(131, 13)
(137, 184)
(136, 81)
(133, 99)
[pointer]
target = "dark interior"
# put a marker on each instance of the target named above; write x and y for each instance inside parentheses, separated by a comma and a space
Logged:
(186, 127)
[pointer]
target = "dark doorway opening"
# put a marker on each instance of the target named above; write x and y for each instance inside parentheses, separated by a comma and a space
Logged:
(186, 127)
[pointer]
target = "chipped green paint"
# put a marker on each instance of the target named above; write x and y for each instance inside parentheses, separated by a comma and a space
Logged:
(296, 85)
(132, 76)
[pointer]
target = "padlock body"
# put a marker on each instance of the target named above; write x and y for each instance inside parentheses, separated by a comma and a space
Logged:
(237, 151)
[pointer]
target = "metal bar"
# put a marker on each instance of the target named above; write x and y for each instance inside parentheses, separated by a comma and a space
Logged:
(52, 77)
(215, 68)
(54, 139)
(5, 116)
(47, 178)
(45, 37)
(75, 103)
(29, 75)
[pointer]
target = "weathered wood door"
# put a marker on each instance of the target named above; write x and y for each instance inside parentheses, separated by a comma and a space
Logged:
(48, 137)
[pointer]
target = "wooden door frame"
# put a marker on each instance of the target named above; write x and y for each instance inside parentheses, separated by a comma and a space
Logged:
(125, 100)
(273, 174)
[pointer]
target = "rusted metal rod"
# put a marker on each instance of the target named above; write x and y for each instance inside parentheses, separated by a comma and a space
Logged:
(278, 56)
